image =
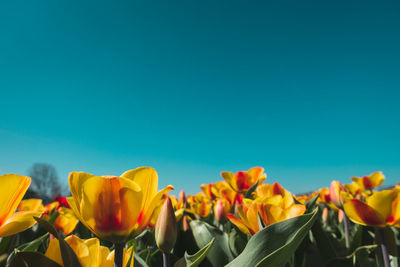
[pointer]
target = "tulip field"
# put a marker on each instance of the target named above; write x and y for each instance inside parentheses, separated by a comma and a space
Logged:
(240, 220)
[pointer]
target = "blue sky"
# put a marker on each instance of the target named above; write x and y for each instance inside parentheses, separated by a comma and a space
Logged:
(307, 89)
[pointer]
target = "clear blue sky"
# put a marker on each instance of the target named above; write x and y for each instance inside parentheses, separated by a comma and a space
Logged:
(310, 90)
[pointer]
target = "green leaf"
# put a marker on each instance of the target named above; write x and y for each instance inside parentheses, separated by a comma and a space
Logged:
(68, 255)
(139, 262)
(251, 190)
(130, 258)
(327, 245)
(220, 254)
(310, 205)
(195, 259)
(32, 259)
(275, 245)
(31, 246)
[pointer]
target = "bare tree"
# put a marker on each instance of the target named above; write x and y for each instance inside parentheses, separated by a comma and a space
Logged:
(45, 181)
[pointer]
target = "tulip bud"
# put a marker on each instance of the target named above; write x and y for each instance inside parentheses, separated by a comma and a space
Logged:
(185, 224)
(221, 209)
(325, 215)
(340, 215)
(166, 228)
(335, 193)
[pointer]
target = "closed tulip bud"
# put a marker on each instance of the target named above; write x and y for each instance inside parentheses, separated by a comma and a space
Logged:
(325, 214)
(335, 194)
(221, 209)
(185, 224)
(166, 228)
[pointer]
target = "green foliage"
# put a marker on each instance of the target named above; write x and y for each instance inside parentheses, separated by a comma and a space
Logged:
(276, 244)
(220, 254)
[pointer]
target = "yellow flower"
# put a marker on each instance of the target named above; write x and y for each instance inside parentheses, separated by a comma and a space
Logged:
(199, 204)
(380, 209)
(31, 204)
(89, 252)
(12, 190)
(66, 220)
(369, 182)
(273, 204)
(244, 180)
(116, 208)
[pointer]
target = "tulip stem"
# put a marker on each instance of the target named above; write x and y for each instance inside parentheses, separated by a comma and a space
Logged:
(385, 253)
(166, 262)
(119, 254)
(346, 230)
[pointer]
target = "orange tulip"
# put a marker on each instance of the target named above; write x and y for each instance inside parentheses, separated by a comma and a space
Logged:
(12, 190)
(116, 208)
(244, 180)
(66, 220)
(31, 204)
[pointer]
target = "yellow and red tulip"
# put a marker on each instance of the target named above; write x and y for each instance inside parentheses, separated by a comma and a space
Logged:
(369, 182)
(12, 190)
(244, 180)
(379, 209)
(89, 252)
(66, 220)
(199, 205)
(116, 208)
(273, 204)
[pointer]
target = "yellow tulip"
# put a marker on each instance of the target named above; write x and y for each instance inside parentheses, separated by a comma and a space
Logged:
(116, 208)
(31, 204)
(244, 180)
(273, 204)
(369, 182)
(66, 220)
(89, 252)
(379, 209)
(199, 204)
(12, 190)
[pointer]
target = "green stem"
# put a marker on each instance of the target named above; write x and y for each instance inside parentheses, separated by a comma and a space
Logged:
(346, 230)
(166, 262)
(385, 253)
(119, 254)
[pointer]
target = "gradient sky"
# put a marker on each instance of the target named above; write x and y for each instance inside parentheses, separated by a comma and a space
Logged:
(310, 90)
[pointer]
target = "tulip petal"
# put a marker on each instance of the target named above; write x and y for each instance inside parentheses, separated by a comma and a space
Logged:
(76, 180)
(147, 179)
(74, 207)
(361, 213)
(30, 204)
(229, 177)
(93, 244)
(53, 251)
(106, 258)
(111, 205)
(381, 202)
(80, 248)
(12, 190)
(18, 222)
(239, 224)
(148, 213)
